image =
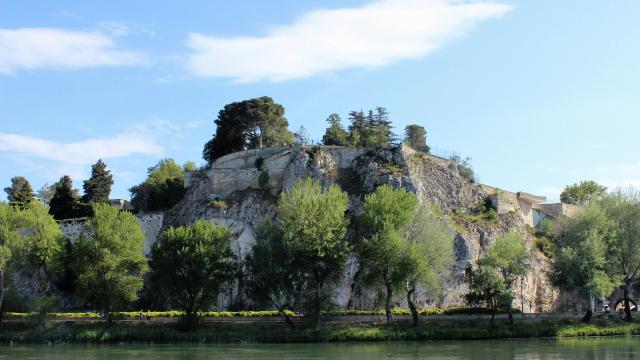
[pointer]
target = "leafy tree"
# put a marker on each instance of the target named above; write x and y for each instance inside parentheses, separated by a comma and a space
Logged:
(65, 203)
(371, 130)
(510, 257)
(192, 263)
(98, 187)
(20, 193)
(248, 124)
(428, 252)
(8, 241)
(301, 136)
(463, 166)
(583, 193)
(335, 134)
(314, 228)
(487, 287)
(581, 261)
(273, 271)
(190, 166)
(40, 246)
(381, 252)
(623, 249)
(46, 192)
(163, 188)
(109, 258)
(416, 137)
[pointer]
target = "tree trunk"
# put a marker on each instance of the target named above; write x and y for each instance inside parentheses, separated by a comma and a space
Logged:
(387, 307)
(627, 307)
(412, 307)
(590, 305)
(493, 312)
(316, 310)
(511, 321)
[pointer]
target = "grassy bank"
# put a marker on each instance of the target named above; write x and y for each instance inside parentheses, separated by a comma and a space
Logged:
(256, 333)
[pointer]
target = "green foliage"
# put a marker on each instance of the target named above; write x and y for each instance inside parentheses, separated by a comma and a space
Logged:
(545, 228)
(582, 193)
(335, 134)
(314, 227)
(581, 257)
(9, 237)
(545, 245)
(263, 179)
(65, 203)
(301, 136)
(191, 263)
(20, 193)
(487, 288)
(463, 166)
(218, 204)
(248, 124)
(98, 187)
(458, 310)
(416, 137)
(372, 130)
(163, 188)
(109, 258)
(190, 166)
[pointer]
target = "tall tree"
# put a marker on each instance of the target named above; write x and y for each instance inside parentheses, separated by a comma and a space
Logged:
(20, 193)
(582, 193)
(109, 258)
(428, 253)
(487, 287)
(335, 134)
(192, 263)
(98, 187)
(301, 136)
(273, 271)
(510, 258)
(163, 188)
(46, 192)
(314, 228)
(581, 260)
(65, 203)
(8, 241)
(253, 123)
(416, 137)
(381, 251)
(623, 249)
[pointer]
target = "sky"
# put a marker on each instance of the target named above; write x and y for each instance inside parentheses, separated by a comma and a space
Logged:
(539, 93)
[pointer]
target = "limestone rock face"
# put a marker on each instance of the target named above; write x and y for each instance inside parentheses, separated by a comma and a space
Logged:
(242, 201)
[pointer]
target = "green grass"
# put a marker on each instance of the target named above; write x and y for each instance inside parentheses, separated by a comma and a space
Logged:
(83, 333)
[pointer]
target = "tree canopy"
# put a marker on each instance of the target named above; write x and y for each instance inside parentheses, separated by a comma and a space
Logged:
(20, 192)
(335, 134)
(416, 137)
(582, 193)
(162, 189)
(192, 263)
(248, 124)
(65, 203)
(98, 187)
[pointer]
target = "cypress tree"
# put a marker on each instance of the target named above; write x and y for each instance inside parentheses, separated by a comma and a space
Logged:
(65, 203)
(20, 192)
(98, 187)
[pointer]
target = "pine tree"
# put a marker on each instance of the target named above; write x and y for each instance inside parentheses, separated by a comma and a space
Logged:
(98, 187)
(335, 134)
(20, 192)
(65, 203)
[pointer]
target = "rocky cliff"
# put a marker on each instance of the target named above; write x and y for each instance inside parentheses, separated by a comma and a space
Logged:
(242, 188)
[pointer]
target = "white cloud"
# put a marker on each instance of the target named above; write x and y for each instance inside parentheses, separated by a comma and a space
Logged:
(137, 141)
(34, 48)
(322, 41)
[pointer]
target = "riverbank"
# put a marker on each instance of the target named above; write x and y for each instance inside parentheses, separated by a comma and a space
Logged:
(98, 333)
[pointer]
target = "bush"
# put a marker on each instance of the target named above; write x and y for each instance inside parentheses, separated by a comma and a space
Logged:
(218, 204)
(475, 311)
(263, 179)
(544, 245)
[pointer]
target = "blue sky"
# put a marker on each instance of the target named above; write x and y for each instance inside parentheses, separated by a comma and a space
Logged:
(539, 93)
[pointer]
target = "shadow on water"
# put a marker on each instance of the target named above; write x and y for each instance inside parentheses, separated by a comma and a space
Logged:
(585, 348)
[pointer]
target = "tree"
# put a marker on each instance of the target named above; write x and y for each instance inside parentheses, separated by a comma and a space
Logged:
(416, 137)
(429, 252)
(190, 166)
(381, 251)
(581, 261)
(46, 192)
(314, 227)
(301, 136)
(371, 130)
(273, 271)
(163, 188)
(510, 257)
(98, 187)
(20, 193)
(463, 166)
(192, 263)
(9, 236)
(65, 203)
(583, 193)
(487, 287)
(623, 249)
(109, 258)
(248, 124)
(335, 134)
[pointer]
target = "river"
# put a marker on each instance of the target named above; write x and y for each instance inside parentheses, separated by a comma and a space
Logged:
(592, 348)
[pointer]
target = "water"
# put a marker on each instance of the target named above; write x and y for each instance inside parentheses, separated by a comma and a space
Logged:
(593, 348)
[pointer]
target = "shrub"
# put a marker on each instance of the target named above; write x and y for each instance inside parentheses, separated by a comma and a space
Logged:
(218, 204)
(263, 179)
(544, 245)
(459, 310)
